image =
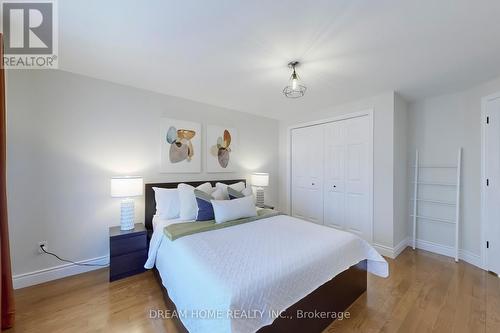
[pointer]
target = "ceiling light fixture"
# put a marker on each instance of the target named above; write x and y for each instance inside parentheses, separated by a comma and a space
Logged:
(295, 89)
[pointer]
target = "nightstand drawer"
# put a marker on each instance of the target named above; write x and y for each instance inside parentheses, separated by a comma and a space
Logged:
(127, 264)
(126, 245)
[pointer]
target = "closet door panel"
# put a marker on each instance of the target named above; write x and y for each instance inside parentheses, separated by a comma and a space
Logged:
(299, 176)
(298, 203)
(355, 161)
(334, 209)
(357, 187)
(355, 216)
(334, 170)
(315, 206)
(307, 172)
(314, 161)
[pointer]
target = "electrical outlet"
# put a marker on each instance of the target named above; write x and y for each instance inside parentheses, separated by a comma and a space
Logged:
(45, 246)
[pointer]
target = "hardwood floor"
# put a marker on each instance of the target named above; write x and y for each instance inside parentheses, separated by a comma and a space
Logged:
(424, 293)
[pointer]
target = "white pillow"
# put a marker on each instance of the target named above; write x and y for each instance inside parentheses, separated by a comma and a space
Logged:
(247, 192)
(233, 194)
(236, 186)
(218, 194)
(167, 202)
(188, 206)
(228, 210)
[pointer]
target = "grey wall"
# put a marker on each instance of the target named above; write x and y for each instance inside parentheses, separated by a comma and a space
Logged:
(438, 127)
(68, 134)
(400, 171)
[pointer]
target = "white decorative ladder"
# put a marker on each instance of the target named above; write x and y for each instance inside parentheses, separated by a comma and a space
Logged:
(416, 199)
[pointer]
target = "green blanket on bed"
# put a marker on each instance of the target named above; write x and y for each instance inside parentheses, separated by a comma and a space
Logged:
(178, 230)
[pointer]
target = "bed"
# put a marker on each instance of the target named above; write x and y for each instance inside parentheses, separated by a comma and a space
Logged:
(265, 276)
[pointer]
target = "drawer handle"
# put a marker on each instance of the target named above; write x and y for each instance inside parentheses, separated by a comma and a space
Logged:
(334, 186)
(313, 184)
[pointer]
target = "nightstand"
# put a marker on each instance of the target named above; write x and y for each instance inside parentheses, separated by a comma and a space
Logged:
(265, 206)
(128, 250)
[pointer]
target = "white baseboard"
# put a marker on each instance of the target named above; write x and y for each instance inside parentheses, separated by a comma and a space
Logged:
(384, 250)
(401, 246)
(471, 258)
(444, 250)
(391, 252)
(449, 251)
(56, 272)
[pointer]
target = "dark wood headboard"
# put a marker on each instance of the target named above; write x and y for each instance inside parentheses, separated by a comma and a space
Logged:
(150, 203)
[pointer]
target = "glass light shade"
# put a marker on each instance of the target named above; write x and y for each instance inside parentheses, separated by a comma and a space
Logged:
(260, 179)
(295, 82)
(295, 89)
(124, 187)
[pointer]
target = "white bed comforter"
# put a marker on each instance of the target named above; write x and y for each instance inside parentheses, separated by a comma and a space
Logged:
(238, 278)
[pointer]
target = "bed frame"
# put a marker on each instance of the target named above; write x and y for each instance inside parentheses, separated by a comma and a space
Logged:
(335, 295)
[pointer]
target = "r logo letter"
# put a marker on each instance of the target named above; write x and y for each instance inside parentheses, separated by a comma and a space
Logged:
(35, 21)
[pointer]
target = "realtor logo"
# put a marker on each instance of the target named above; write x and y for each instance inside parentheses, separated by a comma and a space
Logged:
(30, 34)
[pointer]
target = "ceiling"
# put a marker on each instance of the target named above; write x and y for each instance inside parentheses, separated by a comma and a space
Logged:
(234, 53)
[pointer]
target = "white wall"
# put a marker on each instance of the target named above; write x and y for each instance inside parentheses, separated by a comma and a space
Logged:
(68, 134)
(383, 108)
(437, 127)
(400, 172)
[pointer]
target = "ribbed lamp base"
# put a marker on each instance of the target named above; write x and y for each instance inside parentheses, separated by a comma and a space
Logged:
(259, 196)
(127, 214)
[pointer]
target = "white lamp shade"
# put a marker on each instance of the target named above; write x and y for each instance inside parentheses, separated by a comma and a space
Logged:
(260, 179)
(124, 187)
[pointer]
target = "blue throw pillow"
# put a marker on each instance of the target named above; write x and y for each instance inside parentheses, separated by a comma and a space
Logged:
(205, 208)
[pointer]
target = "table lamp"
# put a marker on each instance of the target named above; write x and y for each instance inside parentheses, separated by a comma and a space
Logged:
(126, 187)
(259, 180)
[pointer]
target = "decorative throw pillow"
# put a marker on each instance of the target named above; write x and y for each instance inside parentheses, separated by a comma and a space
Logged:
(240, 186)
(205, 208)
(234, 194)
(188, 205)
(228, 210)
(167, 202)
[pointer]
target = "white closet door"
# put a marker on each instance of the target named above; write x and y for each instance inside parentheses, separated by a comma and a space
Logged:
(347, 190)
(492, 188)
(334, 186)
(307, 173)
(357, 192)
